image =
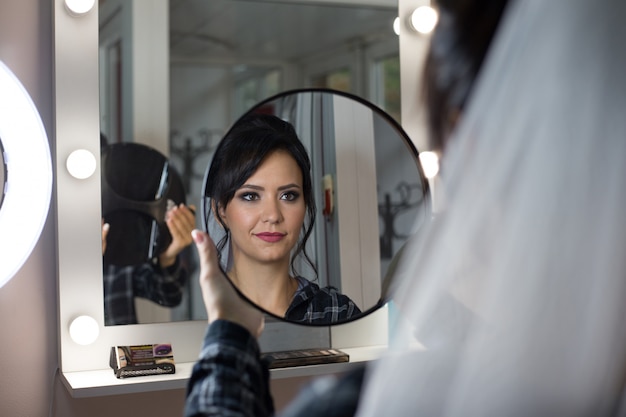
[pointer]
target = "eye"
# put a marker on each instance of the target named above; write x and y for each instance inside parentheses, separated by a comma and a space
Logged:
(290, 196)
(249, 196)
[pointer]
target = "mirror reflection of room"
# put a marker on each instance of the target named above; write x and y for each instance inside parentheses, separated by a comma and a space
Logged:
(213, 61)
(146, 226)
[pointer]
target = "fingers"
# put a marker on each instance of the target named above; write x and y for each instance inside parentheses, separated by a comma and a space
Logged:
(105, 232)
(214, 293)
(180, 221)
(220, 298)
(207, 253)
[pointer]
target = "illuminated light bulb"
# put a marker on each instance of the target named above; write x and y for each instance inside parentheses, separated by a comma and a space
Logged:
(430, 164)
(28, 183)
(396, 26)
(81, 164)
(424, 19)
(79, 7)
(84, 330)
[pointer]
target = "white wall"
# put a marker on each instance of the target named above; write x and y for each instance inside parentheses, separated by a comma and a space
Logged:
(28, 302)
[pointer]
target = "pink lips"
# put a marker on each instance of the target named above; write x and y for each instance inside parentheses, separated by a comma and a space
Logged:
(270, 237)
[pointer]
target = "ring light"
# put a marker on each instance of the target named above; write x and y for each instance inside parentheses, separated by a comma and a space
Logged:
(28, 182)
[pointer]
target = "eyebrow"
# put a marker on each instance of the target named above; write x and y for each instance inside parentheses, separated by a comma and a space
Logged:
(281, 188)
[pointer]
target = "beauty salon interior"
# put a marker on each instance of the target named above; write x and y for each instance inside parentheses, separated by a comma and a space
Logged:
(173, 75)
(111, 112)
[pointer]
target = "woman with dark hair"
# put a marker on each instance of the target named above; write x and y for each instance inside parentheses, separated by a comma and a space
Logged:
(259, 192)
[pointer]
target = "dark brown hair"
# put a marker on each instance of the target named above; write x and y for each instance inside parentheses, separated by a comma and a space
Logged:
(244, 148)
(458, 47)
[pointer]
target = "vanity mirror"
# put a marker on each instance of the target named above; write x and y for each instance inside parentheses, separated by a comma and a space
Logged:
(220, 58)
(78, 207)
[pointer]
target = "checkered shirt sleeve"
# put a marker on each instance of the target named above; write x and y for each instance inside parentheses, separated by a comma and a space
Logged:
(229, 378)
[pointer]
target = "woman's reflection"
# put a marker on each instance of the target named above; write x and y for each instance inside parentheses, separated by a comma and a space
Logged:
(160, 279)
(259, 191)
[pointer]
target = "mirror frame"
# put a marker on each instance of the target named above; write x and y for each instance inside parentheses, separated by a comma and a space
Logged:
(78, 215)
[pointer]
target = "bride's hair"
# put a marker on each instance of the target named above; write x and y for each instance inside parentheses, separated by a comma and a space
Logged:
(456, 52)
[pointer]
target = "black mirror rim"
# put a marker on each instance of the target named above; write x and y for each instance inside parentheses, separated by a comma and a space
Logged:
(385, 297)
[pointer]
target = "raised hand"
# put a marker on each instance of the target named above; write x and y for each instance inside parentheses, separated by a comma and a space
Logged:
(180, 221)
(220, 298)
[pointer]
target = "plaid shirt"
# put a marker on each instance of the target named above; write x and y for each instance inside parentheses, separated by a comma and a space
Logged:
(123, 283)
(229, 379)
(315, 305)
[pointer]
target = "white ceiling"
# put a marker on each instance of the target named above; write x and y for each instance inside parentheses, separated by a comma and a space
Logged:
(284, 30)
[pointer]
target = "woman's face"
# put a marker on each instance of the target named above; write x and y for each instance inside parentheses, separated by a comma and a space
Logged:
(266, 214)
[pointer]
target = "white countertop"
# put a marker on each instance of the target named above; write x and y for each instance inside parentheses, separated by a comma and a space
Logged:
(102, 382)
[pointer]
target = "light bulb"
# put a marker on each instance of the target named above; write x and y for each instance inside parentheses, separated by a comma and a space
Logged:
(79, 7)
(81, 164)
(430, 163)
(396, 26)
(84, 330)
(424, 19)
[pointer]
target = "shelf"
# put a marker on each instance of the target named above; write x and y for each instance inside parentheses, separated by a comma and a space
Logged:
(103, 382)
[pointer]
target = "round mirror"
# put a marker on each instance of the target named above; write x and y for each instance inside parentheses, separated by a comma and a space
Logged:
(309, 196)
(138, 186)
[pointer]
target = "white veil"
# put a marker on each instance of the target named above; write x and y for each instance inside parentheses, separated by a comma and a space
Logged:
(518, 292)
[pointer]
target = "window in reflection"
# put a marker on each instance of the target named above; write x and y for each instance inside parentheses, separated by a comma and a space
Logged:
(386, 73)
(339, 79)
(251, 89)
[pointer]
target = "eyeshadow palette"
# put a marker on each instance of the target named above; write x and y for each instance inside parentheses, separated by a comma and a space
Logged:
(304, 357)
(142, 360)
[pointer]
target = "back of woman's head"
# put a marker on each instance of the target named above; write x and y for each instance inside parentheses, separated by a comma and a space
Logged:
(240, 153)
(457, 50)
